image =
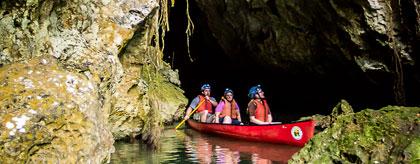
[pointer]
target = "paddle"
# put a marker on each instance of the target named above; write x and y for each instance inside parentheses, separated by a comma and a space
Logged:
(276, 122)
(182, 122)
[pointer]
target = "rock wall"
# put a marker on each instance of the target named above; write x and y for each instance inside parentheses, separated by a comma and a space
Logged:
(148, 83)
(75, 72)
(50, 115)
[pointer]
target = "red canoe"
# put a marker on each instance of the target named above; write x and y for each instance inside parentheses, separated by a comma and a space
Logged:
(297, 133)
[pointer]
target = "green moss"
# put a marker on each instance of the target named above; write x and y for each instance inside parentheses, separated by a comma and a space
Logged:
(383, 136)
(160, 92)
(412, 152)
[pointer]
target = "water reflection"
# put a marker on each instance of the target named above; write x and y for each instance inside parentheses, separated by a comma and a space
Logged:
(189, 146)
(228, 150)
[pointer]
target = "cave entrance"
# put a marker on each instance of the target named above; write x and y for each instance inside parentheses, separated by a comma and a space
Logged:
(208, 63)
(290, 95)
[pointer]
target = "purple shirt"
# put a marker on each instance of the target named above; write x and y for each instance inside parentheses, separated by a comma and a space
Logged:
(220, 106)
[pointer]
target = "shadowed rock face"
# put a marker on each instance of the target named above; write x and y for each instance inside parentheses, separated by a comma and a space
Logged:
(280, 33)
(132, 90)
(368, 42)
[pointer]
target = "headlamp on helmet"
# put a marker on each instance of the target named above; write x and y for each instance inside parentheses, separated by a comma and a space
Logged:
(228, 90)
(205, 86)
(254, 90)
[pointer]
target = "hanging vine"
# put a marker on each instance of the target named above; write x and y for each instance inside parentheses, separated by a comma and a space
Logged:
(164, 26)
(398, 83)
(156, 35)
(189, 30)
(190, 26)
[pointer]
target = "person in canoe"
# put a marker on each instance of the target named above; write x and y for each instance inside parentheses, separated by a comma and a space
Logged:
(259, 112)
(203, 102)
(227, 112)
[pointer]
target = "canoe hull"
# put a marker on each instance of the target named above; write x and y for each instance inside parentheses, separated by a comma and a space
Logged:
(298, 133)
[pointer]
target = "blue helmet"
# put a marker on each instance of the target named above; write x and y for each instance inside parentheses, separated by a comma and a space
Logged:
(253, 91)
(205, 86)
(228, 90)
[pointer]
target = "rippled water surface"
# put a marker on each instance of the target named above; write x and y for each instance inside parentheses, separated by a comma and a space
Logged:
(189, 146)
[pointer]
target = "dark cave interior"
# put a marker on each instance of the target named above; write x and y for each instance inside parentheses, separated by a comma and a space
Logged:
(290, 95)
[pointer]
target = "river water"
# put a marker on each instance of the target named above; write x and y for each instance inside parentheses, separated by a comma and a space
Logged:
(190, 146)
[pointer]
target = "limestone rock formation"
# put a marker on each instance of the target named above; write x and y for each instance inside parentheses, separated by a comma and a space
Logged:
(388, 135)
(135, 91)
(148, 84)
(51, 115)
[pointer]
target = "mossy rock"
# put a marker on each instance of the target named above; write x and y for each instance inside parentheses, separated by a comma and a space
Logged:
(50, 115)
(322, 122)
(146, 101)
(388, 135)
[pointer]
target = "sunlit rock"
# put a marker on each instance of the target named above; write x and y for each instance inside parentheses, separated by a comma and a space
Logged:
(388, 135)
(89, 38)
(147, 95)
(57, 117)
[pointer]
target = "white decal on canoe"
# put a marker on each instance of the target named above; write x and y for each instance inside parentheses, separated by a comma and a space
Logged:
(296, 133)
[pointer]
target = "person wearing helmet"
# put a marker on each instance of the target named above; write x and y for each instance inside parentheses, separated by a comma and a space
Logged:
(259, 112)
(227, 112)
(206, 107)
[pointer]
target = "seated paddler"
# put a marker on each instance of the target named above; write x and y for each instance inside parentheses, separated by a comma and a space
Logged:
(203, 104)
(227, 112)
(258, 109)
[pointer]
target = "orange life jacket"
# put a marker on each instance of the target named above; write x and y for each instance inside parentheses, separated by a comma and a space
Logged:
(230, 109)
(205, 106)
(262, 110)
